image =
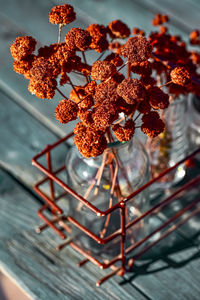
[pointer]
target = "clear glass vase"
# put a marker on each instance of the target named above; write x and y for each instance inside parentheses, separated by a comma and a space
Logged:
(194, 123)
(103, 181)
(170, 146)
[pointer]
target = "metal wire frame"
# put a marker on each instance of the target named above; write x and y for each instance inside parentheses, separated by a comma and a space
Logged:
(58, 216)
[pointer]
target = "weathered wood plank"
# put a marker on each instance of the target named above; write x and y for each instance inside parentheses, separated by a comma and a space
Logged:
(33, 261)
(22, 137)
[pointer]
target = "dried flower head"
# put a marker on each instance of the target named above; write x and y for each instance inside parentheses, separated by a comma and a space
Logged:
(22, 47)
(106, 90)
(43, 89)
(41, 70)
(66, 111)
(124, 133)
(90, 143)
(152, 124)
(78, 38)
(62, 14)
(23, 66)
(105, 114)
(98, 34)
(118, 29)
(102, 70)
(115, 59)
(138, 31)
(142, 68)
(86, 103)
(157, 98)
(131, 90)
(137, 49)
(160, 19)
(90, 87)
(180, 76)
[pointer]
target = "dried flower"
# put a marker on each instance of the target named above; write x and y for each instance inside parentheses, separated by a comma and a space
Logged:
(41, 70)
(126, 132)
(160, 19)
(138, 31)
(105, 114)
(142, 68)
(118, 29)
(131, 90)
(66, 111)
(137, 49)
(62, 14)
(102, 70)
(152, 124)
(98, 34)
(90, 143)
(22, 47)
(43, 89)
(106, 90)
(23, 66)
(115, 59)
(78, 38)
(180, 76)
(157, 98)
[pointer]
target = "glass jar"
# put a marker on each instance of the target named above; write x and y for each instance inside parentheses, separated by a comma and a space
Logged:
(194, 124)
(104, 181)
(170, 146)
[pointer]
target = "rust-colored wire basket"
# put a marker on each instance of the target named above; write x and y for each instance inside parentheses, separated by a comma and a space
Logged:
(55, 217)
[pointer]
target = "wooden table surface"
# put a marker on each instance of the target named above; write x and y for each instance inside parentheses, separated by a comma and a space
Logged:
(27, 124)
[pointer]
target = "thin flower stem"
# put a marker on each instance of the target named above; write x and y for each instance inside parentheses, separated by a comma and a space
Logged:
(59, 33)
(169, 82)
(100, 173)
(74, 88)
(85, 61)
(137, 117)
(103, 231)
(101, 55)
(129, 70)
(123, 66)
(61, 93)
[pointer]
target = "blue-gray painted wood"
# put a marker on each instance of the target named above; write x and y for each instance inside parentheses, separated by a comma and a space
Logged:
(34, 263)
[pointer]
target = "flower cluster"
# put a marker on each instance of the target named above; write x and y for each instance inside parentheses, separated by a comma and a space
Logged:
(109, 101)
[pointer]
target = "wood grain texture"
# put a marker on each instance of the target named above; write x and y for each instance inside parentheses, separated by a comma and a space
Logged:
(34, 263)
(22, 137)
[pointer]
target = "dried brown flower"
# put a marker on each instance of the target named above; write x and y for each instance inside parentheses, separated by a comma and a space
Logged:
(23, 66)
(106, 91)
(41, 69)
(126, 132)
(78, 38)
(115, 59)
(98, 34)
(152, 124)
(131, 90)
(66, 111)
(90, 87)
(160, 19)
(62, 14)
(180, 76)
(118, 29)
(102, 70)
(157, 98)
(86, 103)
(138, 31)
(142, 68)
(43, 89)
(105, 114)
(90, 143)
(137, 49)
(22, 47)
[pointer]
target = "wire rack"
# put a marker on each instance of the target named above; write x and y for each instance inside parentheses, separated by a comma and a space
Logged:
(60, 222)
